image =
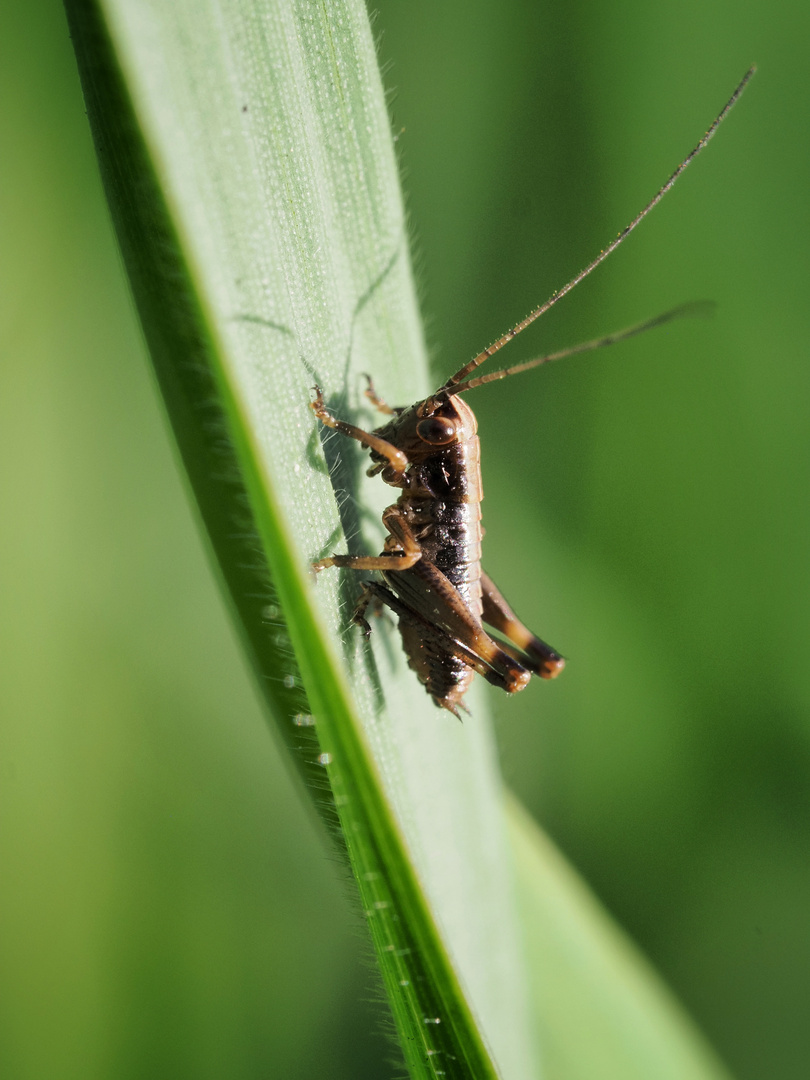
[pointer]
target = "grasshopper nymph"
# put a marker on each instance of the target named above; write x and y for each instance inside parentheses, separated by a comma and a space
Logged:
(431, 570)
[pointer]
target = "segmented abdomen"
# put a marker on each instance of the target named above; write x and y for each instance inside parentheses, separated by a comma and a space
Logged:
(457, 553)
(449, 532)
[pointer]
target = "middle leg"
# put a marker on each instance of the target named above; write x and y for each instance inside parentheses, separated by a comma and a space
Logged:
(402, 548)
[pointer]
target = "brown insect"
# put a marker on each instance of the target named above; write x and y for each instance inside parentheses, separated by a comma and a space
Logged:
(431, 570)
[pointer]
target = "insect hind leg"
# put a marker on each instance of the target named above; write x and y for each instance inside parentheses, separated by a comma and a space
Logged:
(534, 653)
(445, 656)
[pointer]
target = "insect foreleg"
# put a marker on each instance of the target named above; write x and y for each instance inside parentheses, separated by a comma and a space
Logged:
(397, 461)
(376, 400)
(535, 654)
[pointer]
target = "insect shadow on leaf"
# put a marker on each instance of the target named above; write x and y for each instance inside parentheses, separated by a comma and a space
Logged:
(343, 462)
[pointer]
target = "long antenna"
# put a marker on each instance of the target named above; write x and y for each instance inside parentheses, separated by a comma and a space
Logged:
(507, 337)
(695, 308)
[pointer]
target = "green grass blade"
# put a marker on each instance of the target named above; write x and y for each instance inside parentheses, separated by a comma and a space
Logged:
(247, 158)
(601, 1009)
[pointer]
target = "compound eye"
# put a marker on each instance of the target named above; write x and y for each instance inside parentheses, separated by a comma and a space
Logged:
(437, 430)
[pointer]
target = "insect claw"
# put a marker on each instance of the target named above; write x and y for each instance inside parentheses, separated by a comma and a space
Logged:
(318, 406)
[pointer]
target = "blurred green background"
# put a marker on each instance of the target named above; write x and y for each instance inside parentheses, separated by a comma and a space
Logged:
(168, 906)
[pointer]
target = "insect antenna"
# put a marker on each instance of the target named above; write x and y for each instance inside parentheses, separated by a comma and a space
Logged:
(697, 308)
(461, 375)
